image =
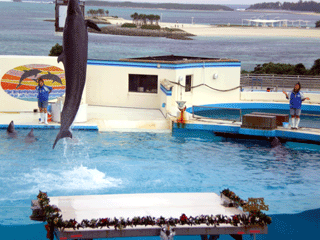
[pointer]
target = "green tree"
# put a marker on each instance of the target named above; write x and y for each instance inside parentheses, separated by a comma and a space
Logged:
(135, 18)
(299, 69)
(318, 24)
(157, 18)
(107, 12)
(56, 50)
(315, 69)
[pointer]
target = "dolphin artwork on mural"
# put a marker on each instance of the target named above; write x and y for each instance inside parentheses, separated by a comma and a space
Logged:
(26, 74)
(74, 58)
(11, 130)
(52, 77)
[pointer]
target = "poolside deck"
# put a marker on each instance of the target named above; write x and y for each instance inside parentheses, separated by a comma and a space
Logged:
(155, 205)
(105, 119)
(233, 129)
(98, 118)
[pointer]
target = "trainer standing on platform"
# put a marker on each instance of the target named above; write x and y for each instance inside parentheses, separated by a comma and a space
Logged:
(43, 98)
(296, 98)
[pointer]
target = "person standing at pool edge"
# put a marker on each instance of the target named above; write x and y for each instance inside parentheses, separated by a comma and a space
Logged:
(43, 98)
(296, 98)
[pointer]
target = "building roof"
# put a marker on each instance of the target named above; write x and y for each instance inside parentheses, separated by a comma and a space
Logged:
(173, 59)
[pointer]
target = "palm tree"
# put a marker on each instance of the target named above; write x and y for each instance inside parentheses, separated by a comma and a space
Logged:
(135, 18)
(100, 12)
(107, 12)
(151, 18)
(157, 18)
(143, 17)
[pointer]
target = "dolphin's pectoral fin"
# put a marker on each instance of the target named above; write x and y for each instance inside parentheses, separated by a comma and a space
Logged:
(61, 58)
(62, 135)
(92, 25)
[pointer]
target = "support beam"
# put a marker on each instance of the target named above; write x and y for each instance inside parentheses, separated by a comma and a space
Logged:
(236, 236)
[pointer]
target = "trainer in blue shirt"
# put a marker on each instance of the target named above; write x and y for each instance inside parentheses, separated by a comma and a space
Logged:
(296, 98)
(43, 98)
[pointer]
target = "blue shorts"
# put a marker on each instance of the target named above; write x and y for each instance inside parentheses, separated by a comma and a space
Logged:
(295, 111)
(43, 104)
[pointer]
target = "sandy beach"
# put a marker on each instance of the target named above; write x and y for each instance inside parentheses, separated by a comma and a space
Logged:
(213, 30)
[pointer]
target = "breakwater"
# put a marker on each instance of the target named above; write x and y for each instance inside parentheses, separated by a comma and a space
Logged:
(164, 32)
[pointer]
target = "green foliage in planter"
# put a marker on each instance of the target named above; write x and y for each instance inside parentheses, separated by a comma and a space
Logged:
(151, 27)
(129, 25)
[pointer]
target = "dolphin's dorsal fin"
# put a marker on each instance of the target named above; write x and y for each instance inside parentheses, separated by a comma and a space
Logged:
(92, 25)
(61, 58)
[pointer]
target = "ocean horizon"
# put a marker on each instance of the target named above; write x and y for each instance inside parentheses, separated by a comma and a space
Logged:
(24, 31)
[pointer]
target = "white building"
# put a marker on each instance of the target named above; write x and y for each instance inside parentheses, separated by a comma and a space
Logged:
(147, 82)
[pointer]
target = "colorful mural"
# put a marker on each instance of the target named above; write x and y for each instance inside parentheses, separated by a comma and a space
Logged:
(21, 81)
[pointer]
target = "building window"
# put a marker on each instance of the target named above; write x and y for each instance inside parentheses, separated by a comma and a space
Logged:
(143, 83)
(188, 83)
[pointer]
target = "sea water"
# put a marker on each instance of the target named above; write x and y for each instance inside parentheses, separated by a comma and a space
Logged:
(115, 163)
(23, 31)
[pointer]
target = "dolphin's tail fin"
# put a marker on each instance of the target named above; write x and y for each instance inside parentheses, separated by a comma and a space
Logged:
(60, 135)
(92, 25)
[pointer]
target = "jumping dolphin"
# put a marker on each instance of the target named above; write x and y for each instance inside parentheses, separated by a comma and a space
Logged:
(11, 131)
(52, 77)
(33, 72)
(30, 138)
(74, 58)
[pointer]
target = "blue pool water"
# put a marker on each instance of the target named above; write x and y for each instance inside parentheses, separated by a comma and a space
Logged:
(114, 163)
(310, 114)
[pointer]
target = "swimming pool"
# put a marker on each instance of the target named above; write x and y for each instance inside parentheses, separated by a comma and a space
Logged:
(231, 111)
(113, 163)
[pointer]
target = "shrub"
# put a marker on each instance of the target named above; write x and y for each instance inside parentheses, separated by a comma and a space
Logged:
(56, 50)
(318, 24)
(151, 27)
(129, 25)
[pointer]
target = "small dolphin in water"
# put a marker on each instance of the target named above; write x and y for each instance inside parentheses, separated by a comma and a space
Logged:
(74, 58)
(33, 72)
(11, 131)
(275, 142)
(52, 77)
(30, 138)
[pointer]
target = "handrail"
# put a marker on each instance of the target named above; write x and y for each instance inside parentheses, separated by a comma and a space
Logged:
(279, 81)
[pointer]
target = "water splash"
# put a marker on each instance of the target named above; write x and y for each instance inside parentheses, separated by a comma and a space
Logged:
(78, 180)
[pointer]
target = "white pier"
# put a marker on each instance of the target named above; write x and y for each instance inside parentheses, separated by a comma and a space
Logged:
(141, 205)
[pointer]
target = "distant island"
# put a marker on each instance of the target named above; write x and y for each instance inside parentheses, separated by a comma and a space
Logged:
(307, 6)
(176, 6)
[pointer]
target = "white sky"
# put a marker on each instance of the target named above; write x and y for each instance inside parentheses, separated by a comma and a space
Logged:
(207, 1)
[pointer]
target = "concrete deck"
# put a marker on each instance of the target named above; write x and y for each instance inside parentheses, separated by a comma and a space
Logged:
(233, 129)
(98, 118)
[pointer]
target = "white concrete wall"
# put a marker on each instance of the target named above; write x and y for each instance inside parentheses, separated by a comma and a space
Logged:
(11, 104)
(276, 97)
(227, 78)
(107, 85)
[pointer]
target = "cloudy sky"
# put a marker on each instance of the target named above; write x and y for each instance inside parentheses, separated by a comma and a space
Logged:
(207, 1)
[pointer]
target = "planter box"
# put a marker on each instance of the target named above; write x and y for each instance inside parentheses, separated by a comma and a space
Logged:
(227, 202)
(259, 122)
(37, 212)
(280, 118)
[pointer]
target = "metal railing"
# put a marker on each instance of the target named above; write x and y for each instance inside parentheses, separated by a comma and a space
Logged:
(217, 116)
(279, 82)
